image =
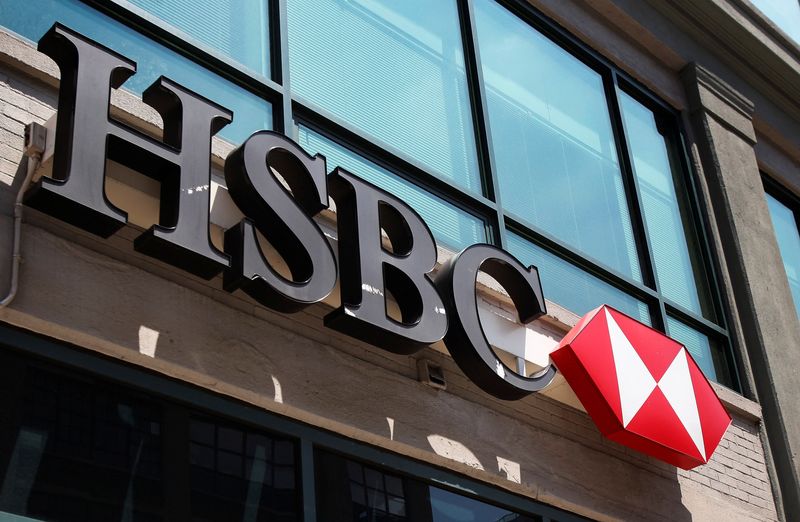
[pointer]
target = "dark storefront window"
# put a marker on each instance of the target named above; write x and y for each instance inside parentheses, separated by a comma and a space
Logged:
(74, 449)
(77, 447)
(351, 491)
(488, 119)
(240, 474)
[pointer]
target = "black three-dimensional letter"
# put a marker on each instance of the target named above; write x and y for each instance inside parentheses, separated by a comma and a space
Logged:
(86, 136)
(465, 339)
(368, 270)
(284, 220)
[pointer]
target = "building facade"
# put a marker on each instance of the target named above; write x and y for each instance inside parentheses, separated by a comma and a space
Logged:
(642, 154)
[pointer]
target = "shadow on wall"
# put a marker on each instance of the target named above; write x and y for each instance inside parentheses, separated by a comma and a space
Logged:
(556, 454)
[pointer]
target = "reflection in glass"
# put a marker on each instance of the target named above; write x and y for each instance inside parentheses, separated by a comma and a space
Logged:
(451, 226)
(349, 491)
(239, 474)
(554, 149)
(569, 286)
(80, 452)
(392, 70)
(33, 19)
(238, 29)
(786, 232)
(678, 269)
(451, 507)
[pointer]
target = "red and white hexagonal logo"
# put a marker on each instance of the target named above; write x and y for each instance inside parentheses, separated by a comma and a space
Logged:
(642, 388)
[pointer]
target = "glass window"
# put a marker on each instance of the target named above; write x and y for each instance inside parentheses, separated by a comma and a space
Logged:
(554, 149)
(783, 13)
(784, 222)
(75, 448)
(349, 491)
(678, 271)
(78, 450)
(569, 286)
(394, 72)
(241, 474)
(237, 29)
(451, 226)
(699, 345)
(33, 19)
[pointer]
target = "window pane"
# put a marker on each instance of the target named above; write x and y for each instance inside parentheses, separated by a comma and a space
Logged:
(394, 71)
(554, 149)
(339, 499)
(451, 507)
(678, 268)
(33, 19)
(450, 226)
(238, 29)
(697, 343)
(571, 287)
(785, 225)
(238, 474)
(79, 450)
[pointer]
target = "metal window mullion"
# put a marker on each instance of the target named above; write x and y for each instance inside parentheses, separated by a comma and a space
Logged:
(280, 64)
(661, 322)
(309, 494)
(697, 322)
(395, 161)
(480, 117)
(630, 182)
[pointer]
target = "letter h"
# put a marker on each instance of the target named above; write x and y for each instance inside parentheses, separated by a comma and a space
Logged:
(86, 136)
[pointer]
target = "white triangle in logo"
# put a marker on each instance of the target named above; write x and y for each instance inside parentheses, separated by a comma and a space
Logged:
(676, 384)
(635, 381)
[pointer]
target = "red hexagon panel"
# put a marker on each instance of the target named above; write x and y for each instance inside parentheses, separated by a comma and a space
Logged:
(642, 388)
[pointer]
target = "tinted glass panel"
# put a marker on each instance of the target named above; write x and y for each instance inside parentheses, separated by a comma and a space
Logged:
(451, 226)
(238, 29)
(76, 450)
(571, 287)
(554, 150)
(678, 268)
(33, 19)
(349, 491)
(241, 474)
(394, 71)
(786, 232)
(698, 344)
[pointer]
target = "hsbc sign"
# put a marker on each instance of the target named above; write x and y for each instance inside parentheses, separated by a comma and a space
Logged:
(642, 388)
(431, 309)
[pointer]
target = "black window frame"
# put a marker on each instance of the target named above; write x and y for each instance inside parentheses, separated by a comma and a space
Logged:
(290, 111)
